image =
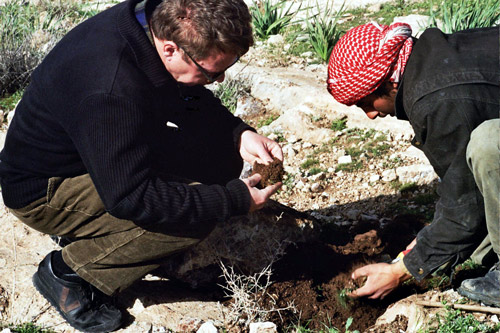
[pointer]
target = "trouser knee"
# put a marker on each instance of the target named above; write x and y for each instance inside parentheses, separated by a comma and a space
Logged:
(483, 152)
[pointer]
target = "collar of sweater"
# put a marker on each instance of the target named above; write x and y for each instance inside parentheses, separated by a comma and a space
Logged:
(146, 55)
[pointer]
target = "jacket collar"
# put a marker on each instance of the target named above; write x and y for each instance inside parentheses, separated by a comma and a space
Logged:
(146, 56)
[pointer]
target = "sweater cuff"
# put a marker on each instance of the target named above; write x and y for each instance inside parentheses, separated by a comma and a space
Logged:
(240, 197)
(238, 130)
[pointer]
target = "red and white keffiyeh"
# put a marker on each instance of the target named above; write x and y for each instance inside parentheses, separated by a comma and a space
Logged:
(365, 57)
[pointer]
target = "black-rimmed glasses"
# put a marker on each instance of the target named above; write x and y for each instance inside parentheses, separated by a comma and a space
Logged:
(210, 77)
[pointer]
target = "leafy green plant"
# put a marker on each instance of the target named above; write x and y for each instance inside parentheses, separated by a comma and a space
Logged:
(323, 30)
(339, 124)
(459, 15)
(348, 324)
(270, 19)
(455, 322)
(8, 103)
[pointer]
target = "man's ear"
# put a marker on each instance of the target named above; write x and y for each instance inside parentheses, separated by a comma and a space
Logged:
(393, 88)
(169, 48)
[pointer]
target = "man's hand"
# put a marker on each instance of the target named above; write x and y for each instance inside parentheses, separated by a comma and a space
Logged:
(259, 197)
(381, 279)
(255, 147)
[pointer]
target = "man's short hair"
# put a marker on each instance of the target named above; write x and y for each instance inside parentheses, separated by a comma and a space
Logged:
(200, 26)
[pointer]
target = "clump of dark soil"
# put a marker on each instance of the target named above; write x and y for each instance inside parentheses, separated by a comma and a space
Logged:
(316, 277)
(271, 173)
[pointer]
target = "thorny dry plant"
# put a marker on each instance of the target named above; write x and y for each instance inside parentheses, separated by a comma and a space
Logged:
(247, 293)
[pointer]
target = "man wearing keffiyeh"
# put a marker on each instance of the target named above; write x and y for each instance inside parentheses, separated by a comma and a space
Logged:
(447, 87)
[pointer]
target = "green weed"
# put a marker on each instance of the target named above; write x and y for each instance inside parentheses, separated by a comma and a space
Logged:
(8, 103)
(26, 328)
(267, 121)
(459, 15)
(309, 163)
(408, 187)
(270, 19)
(228, 92)
(323, 30)
(339, 124)
(349, 167)
(455, 322)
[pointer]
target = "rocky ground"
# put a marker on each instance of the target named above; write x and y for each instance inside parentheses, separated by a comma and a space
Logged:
(355, 190)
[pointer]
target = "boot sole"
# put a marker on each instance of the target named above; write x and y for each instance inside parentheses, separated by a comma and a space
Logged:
(38, 282)
(479, 298)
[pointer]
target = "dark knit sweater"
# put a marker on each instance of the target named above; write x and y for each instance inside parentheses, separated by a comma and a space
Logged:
(99, 104)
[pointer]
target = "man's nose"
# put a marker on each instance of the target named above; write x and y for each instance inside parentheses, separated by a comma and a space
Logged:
(221, 78)
(372, 114)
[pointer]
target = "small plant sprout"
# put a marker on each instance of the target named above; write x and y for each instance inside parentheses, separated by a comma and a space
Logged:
(339, 124)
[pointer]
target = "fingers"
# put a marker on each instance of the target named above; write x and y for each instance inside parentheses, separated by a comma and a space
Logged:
(271, 189)
(254, 180)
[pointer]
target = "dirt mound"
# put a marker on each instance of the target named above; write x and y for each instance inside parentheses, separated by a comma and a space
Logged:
(316, 277)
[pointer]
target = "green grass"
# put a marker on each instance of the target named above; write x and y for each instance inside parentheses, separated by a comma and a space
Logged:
(349, 167)
(26, 328)
(455, 321)
(339, 124)
(408, 187)
(459, 15)
(309, 163)
(267, 121)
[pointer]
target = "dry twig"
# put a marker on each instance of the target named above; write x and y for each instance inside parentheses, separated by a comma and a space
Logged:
(472, 308)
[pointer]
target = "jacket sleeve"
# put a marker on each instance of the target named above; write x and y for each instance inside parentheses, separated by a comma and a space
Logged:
(109, 133)
(442, 130)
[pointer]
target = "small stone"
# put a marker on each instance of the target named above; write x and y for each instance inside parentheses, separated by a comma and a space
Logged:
(263, 327)
(374, 178)
(316, 187)
(353, 214)
(389, 175)
(207, 327)
(275, 39)
(345, 159)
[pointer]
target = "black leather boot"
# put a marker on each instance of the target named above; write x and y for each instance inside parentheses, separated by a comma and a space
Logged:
(80, 304)
(484, 289)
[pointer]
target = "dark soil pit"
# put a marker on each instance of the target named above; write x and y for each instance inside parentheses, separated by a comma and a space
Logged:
(316, 278)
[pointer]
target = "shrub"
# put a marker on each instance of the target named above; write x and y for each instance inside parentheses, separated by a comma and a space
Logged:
(229, 91)
(27, 33)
